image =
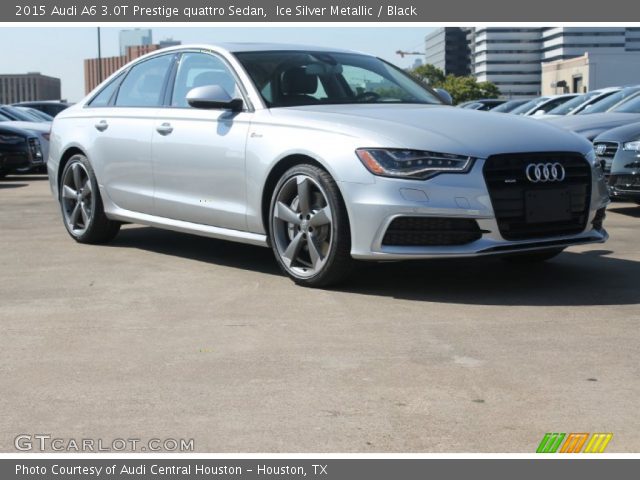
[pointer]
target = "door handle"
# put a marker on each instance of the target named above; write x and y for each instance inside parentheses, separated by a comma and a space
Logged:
(102, 125)
(164, 129)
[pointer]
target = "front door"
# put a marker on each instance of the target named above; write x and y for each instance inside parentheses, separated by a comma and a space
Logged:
(199, 155)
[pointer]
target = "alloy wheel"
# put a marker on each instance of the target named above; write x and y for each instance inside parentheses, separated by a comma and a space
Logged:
(302, 225)
(77, 199)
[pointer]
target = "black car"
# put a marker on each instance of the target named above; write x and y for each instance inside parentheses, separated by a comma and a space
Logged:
(50, 107)
(20, 150)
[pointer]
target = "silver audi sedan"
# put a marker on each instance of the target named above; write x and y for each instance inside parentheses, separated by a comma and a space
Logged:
(325, 156)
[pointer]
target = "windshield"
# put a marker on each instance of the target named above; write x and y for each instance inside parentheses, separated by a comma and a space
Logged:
(524, 108)
(571, 105)
(508, 106)
(608, 102)
(294, 78)
(36, 113)
(631, 105)
(18, 114)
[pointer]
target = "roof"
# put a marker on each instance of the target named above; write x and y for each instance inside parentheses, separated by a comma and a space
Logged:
(235, 47)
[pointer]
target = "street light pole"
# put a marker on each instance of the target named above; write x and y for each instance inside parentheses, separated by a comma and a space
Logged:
(99, 58)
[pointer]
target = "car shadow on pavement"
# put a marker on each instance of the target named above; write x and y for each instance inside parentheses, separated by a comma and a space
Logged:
(194, 247)
(631, 210)
(10, 183)
(594, 277)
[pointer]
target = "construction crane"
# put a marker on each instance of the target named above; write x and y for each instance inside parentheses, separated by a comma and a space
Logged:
(403, 53)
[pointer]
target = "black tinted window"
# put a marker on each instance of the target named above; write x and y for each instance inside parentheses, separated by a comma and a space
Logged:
(142, 87)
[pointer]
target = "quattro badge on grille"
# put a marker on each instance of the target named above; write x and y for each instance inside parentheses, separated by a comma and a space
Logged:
(545, 172)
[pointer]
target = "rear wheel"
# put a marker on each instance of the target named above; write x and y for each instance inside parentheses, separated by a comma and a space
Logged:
(82, 209)
(533, 257)
(309, 228)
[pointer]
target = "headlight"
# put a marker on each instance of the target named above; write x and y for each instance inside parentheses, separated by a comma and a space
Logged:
(395, 162)
(633, 146)
(11, 139)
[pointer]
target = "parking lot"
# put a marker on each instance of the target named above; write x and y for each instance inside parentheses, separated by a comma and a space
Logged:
(162, 334)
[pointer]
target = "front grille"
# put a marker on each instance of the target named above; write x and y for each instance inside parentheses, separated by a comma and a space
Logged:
(609, 151)
(36, 151)
(625, 183)
(509, 187)
(431, 231)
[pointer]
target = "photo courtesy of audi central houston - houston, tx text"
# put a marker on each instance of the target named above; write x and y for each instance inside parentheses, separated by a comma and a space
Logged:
(323, 240)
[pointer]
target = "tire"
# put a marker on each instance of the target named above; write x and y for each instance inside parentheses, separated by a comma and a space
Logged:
(309, 228)
(533, 257)
(82, 209)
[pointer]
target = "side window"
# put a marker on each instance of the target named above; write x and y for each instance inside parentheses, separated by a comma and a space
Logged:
(102, 98)
(198, 70)
(142, 87)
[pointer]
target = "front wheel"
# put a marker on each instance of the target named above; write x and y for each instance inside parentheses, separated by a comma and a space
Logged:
(309, 229)
(533, 257)
(82, 209)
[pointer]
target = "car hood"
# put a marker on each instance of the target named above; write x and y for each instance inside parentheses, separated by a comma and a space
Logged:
(35, 127)
(627, 133)
(435, 128)
(593, 124)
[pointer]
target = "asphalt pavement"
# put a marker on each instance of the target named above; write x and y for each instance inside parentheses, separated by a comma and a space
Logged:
(167, 335)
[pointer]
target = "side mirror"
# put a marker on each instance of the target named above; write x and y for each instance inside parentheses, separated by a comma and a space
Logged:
(213, 96)
(444, 96)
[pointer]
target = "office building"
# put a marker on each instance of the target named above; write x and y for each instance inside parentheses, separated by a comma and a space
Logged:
(28, 87)
(509, 58)
(447, 49)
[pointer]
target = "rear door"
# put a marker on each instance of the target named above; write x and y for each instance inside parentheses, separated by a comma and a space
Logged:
(123, 133)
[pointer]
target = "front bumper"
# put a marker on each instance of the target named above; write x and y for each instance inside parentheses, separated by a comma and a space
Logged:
(372, 208)
(625, 186)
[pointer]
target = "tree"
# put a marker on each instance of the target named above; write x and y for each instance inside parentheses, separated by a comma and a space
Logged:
(429, 74)
(461, 89)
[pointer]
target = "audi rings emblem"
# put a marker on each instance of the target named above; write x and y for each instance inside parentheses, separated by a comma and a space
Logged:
(545, 172)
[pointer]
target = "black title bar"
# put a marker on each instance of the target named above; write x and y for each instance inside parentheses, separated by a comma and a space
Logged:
(144, 11)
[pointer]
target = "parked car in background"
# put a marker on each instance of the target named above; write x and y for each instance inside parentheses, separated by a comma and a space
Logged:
(611, 101)
(590, 126)
(37, 113)
(509, 105)
(285, 147)
(41, 130)
(50, 107)
(484, 104)
(20, 114)
(20, 149)
(580, 102)
(619, 148)
(541, 105)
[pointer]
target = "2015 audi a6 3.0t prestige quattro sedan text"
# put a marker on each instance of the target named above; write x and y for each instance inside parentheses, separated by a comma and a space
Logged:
(326, 156)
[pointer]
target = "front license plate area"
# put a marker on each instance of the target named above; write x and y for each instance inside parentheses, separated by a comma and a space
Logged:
(553, 205)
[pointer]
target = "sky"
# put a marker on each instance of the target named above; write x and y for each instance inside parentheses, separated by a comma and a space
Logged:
(60, 51)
